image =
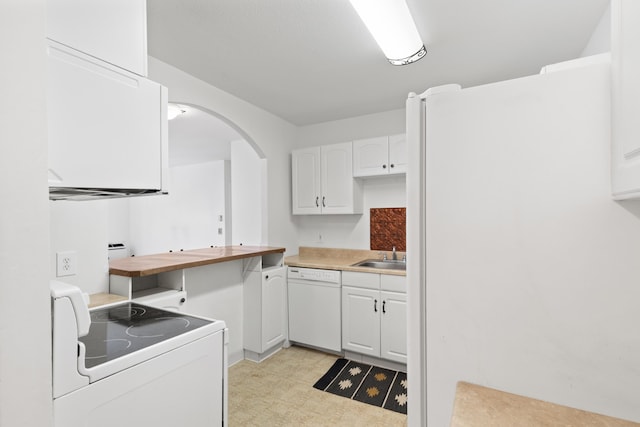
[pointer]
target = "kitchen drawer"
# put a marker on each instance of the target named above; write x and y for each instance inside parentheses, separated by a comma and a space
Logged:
(361, 280)
(393, 283)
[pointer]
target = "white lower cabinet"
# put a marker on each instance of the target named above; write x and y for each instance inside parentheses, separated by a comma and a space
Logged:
(374, 315)
(393, 326)
(361, 320)
(274, 297)
(265, 308)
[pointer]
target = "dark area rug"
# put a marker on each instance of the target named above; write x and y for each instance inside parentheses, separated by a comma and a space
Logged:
(366, 383)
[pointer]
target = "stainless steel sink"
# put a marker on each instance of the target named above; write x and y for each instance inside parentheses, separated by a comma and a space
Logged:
(382, 264)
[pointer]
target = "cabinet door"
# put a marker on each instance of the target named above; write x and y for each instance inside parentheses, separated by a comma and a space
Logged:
(305, 181)
(361, 320)
(398, 154)
(371, 156)
(625, 66)
(91, 104)
(337, 179)
(274, 307)
(393, 326)
(114, 31)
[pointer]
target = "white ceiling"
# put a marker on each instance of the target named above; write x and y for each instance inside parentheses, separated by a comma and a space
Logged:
(310, 61)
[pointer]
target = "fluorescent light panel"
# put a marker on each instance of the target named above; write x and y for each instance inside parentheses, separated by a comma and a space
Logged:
(392, 27)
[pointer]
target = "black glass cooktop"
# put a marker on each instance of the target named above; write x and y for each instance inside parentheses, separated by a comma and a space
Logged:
(129, 327)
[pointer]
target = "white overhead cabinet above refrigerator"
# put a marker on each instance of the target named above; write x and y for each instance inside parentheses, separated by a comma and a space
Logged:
(625, 98)
(107, 123)
(383, 155)
(113, 30)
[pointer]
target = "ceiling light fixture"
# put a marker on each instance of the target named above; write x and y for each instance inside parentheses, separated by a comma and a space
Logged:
(174, 110)
(391, 25)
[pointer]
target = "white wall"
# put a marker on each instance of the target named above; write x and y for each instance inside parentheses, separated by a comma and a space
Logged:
(352, 231)
(25, 326)
(81, 227)
(186, 218)
(248, 195)
(273, 136)
(600, 41)
(215, 291)
(368, 126)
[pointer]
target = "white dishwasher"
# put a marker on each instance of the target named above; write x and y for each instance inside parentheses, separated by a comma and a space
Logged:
(315, 307)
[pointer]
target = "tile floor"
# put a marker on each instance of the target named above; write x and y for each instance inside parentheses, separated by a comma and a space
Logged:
(279, 392)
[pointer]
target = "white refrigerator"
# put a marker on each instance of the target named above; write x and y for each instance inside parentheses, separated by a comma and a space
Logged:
(523, 274)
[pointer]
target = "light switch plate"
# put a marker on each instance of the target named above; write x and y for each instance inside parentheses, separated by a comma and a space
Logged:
(66, 263)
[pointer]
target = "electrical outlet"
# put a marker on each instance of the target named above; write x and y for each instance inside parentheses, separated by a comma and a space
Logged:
(66, 263)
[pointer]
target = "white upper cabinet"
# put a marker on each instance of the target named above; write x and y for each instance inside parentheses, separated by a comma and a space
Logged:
(625, 107)
(322, 181)
(106, 126)
(305, 181)
(380, 156)
(114, 31)
(371, 156)
(340, 194)
(398, 153)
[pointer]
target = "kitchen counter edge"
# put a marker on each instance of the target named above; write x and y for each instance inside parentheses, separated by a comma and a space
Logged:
(146, 265)
(338, 259)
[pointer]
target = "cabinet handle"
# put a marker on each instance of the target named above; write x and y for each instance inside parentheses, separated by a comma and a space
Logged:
(375, 305)
(383, 308)
(323, 205)
(266, 277)
(384, 166)
(183, 300)
(392, 165)
(317, 199)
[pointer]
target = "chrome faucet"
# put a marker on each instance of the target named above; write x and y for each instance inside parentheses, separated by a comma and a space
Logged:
(394, 255)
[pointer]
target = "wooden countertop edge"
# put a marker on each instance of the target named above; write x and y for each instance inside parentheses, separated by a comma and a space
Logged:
(202, 257)
(340, 259)
(479, 406)
(343, 267)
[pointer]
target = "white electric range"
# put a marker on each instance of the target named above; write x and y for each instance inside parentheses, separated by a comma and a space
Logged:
(135, 364)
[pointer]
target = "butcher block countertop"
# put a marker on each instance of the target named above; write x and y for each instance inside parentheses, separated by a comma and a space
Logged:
(477, 406)
(147, 265)
(339, 259)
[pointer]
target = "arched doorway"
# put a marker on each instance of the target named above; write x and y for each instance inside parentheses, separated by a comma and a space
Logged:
(217, 177)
